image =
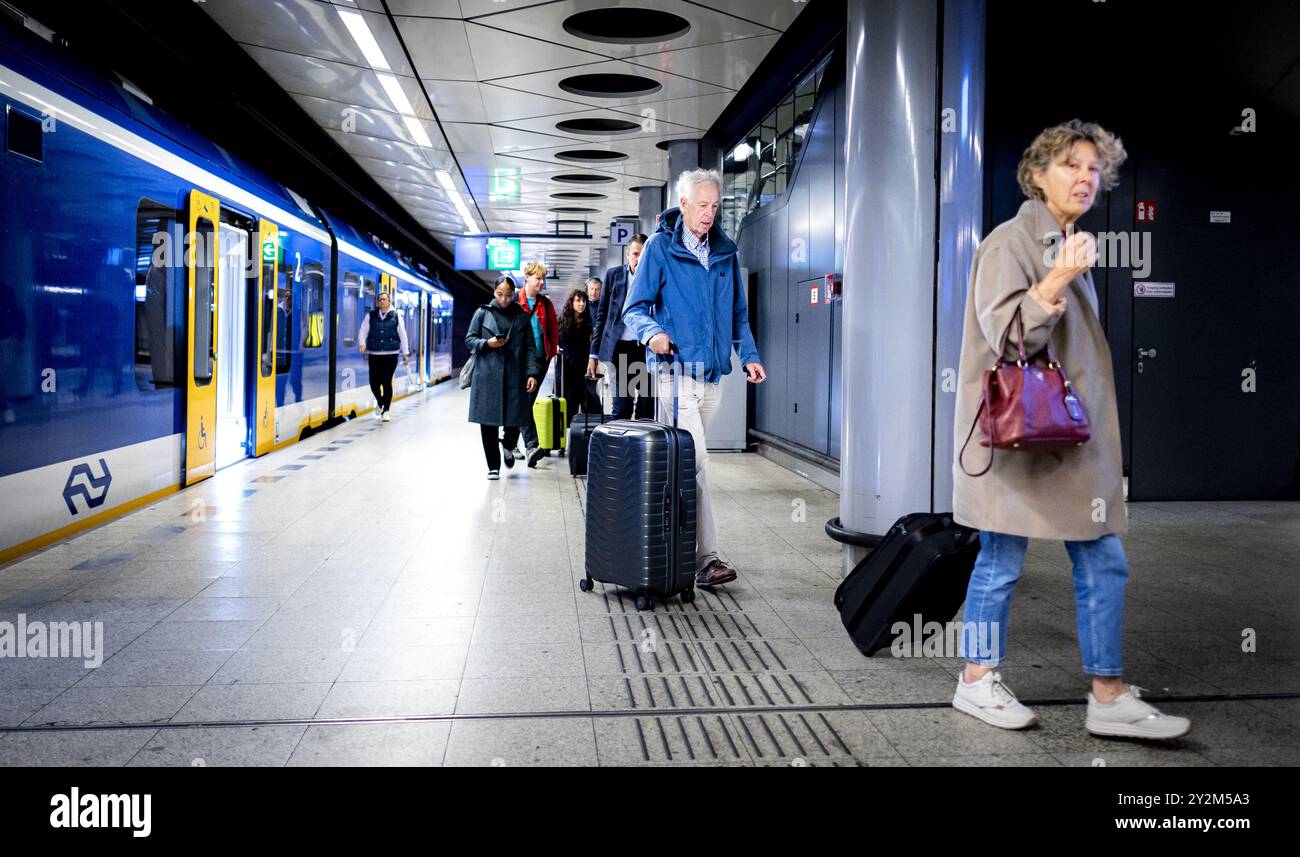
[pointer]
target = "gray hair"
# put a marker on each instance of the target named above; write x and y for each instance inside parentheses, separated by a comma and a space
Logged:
(1054, 142)
(595, 280)
(688, 180)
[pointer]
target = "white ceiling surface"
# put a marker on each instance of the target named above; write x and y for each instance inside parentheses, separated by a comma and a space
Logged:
(491, 69)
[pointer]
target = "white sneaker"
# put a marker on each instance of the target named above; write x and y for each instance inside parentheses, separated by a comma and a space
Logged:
(379, 413)
(993, 702)
(1129, 717)
(386, 418)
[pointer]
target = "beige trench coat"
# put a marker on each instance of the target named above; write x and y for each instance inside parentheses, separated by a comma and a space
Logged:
(1070, 495)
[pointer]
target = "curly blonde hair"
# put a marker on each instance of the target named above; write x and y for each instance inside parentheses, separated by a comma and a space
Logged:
(1053, 142)
(534, 268)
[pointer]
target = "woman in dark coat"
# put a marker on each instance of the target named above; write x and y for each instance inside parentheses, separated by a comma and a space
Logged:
(506, 370)
(575, 341)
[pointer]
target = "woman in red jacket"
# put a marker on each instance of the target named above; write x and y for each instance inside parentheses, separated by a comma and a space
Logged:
(546, 341)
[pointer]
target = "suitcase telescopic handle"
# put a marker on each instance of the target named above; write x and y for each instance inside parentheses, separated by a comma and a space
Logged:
(672, 364)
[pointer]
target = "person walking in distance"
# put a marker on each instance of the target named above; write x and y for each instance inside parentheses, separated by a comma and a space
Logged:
(545, 340)
(383, 339)
(614, 342)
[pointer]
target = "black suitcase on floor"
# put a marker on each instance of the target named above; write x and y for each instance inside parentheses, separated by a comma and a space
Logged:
(640, 528)
(580, 429)
(921, 568)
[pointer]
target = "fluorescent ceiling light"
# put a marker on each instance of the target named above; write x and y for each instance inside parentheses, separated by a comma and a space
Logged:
(396, 94)
(444, 178)
(356, 24)
(417, 131)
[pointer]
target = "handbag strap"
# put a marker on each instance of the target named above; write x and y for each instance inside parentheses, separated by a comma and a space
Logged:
(962, 455)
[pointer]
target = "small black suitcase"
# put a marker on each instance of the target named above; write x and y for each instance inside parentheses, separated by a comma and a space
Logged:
(580, 429)
(920, 568)
(640, 528)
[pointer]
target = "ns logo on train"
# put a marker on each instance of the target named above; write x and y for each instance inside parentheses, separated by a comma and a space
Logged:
(83, 486)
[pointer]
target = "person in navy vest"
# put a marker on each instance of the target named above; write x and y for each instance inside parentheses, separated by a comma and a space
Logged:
(383, 338)
(614, 342)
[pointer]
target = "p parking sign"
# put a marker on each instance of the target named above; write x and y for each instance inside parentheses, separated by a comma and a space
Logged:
(620, 232)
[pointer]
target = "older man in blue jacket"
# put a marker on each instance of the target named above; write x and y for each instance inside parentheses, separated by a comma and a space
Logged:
(687, 304)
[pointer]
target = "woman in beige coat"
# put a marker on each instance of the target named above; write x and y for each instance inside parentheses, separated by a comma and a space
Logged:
(1036, 264)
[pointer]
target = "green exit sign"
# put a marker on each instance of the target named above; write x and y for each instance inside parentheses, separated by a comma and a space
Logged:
(503, 254)
(505, 185)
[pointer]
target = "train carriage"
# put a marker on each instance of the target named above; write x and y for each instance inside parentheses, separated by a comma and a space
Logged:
(165, 309)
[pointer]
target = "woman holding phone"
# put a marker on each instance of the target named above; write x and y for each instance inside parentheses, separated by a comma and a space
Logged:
(506, 372)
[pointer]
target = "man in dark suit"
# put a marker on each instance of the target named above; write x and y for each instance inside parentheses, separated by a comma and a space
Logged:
(615, 343)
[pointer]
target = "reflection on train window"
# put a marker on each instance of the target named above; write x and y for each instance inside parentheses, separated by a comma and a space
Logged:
(313, 309)
(283, 329)
(268, 318)
(349, 306)
(368, 297)
(205, 303)
(158, 300)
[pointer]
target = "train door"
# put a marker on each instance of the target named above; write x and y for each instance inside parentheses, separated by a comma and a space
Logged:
(201, 261)
(232, 332)
(431, 336)
(264, 396)
(424, 339)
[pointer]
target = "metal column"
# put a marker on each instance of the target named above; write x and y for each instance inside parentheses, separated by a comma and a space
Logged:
(889, 263)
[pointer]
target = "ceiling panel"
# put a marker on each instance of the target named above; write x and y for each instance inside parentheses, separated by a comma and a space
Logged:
(438, 48)
(546, 23)
(348, 84)
(728, 66)
(306, 28)
(492, 72)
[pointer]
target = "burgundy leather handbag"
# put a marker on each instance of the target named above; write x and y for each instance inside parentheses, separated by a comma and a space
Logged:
(1027, 407)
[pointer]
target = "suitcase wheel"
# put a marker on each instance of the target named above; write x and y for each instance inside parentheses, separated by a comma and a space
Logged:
(644, 602)
(585, 584)
(688, 595)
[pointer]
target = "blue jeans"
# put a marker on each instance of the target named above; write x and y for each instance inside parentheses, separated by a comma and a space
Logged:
(1100, 573)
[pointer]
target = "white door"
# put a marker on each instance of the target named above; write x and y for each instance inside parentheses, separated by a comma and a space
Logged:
(232, 297)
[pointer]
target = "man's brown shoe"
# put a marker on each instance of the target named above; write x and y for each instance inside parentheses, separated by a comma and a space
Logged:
(715, 573)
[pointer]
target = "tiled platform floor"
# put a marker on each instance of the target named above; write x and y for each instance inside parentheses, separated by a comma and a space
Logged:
(372, 572)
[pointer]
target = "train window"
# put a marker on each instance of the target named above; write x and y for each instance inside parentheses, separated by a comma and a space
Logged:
(24, 135)
(203, 358)
(268, 314)
(283, 315)
(313, 308)
(158, 301)
(349, 309)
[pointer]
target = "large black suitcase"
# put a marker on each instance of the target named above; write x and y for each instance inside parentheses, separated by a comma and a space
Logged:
(640, 528)
(920, 568)
(580, 430)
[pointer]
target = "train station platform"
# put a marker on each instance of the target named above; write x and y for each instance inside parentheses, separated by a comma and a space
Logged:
(367, 597)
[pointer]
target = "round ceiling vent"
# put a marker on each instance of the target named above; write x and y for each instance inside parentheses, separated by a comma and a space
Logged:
(622, 25)
(574, 209)
(662, 145)
(578, 195)
(609, 85)
(582, 178)
(597, 155)
(598, 126)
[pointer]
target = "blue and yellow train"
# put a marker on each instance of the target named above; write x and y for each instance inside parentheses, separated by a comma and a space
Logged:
(165, 310)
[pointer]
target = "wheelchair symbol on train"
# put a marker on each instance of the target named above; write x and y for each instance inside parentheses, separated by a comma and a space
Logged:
(203, 435)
